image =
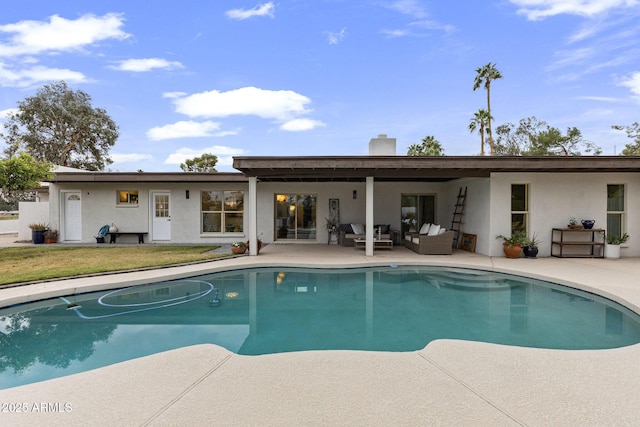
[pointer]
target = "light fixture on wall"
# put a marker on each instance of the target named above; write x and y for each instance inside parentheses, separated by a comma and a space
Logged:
(355, 194)
(186, 194)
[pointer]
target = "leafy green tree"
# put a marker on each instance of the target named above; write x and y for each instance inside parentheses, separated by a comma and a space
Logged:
(484, 76)
(632, 131)
(430, 147)
(21, 173)
(480, 121)
(59, 125)
(204, 163)
(533, 137)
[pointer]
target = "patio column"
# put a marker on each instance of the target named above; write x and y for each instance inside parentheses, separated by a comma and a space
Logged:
(253, 215)
(369, 217)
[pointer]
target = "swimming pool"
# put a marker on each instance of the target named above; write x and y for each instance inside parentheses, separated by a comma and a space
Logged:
(270, 310)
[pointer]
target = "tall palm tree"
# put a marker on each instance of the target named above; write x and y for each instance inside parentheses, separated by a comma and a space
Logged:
(484, 76)
(479, 121)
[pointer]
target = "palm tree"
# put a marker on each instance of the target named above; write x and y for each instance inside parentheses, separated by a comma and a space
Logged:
(484, 76)
(479, 121)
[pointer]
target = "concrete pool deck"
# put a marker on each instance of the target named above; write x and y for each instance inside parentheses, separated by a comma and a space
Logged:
(447, 383)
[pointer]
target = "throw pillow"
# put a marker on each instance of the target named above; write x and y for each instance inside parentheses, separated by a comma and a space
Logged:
(358, 228)
(425, 228)
(346, 228)
(434, 230)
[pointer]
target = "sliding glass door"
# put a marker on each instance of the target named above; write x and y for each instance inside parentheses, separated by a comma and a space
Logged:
(295, 216)
(417, 209)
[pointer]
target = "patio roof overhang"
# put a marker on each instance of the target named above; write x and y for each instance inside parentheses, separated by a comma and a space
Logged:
(148, 177)
(409, 168)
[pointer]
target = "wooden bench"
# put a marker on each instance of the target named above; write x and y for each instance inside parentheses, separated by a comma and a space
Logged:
(113, 236)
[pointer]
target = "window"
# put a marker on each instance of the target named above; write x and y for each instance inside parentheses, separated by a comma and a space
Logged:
(295, 216)
(222, 211)
(127, 197)
(615, 210)
(415, 210)
(519, 207)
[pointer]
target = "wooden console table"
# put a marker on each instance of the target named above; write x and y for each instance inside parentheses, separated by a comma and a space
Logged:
(592, 239)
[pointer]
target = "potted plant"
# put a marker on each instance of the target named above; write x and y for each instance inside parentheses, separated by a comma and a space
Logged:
(238, 247)
(512, 245)
(573, 224)
(51, 236)
(37, 232)
(612, 248)
(530, 248)
(259, 246)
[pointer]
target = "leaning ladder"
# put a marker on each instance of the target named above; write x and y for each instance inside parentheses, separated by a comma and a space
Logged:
(458, 210)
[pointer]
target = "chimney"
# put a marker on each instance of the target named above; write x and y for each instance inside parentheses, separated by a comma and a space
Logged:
(382, 146)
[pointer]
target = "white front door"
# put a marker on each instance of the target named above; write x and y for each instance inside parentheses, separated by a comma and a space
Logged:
(72, 206)
(161, 216)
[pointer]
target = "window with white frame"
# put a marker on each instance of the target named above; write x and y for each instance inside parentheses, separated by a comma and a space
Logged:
(615, 210)
(519, 207)
(127, 197)
(222, 211)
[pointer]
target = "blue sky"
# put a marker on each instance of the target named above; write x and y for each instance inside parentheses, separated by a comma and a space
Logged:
(323, 77)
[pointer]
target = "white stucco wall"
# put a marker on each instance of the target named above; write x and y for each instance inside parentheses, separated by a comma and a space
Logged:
(99, 208)
(32, 213)
(555, 198)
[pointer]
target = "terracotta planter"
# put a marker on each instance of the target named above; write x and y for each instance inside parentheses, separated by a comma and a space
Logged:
(512, 252)
(50, 240)
(238, 249)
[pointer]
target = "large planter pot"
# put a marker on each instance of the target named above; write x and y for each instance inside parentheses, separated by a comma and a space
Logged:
(512, 251)
(612, 251)
(37, 236)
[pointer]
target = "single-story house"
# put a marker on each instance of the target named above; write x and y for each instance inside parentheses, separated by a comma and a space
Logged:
(288, 199)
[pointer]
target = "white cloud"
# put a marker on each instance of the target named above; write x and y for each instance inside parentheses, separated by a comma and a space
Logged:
(225, 154)
(335, 38)
(280, 105)
(298, 125)
(128, 158)
(147, 64)
(599, 98)
(36, 74)
(265, 9)
(6, 113)
(60, 34)
(540, 9)
(408, 7)
(187, 129)
(633, 83)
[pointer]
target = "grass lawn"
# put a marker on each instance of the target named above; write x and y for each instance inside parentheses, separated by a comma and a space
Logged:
(42, 262)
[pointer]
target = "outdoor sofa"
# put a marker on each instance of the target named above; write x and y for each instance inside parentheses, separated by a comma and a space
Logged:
(435, 243)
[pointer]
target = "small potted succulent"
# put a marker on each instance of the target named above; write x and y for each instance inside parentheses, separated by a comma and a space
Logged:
(530, 249)
(51, 236)
(238, 247)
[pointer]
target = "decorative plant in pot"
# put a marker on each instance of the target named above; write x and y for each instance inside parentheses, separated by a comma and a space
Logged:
(612, 248)
(238, 247)
(259, 246)
(37, 232)
(512, 245)
(51, 236)
(530, 248)
(573, 224)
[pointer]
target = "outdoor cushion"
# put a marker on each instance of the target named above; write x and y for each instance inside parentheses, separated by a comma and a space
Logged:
(358, 228)
(103, 231)
(425, 228)
(346, 228)
(434, 230)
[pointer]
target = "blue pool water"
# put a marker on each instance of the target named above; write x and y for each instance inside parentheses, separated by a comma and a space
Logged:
(271, 310)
